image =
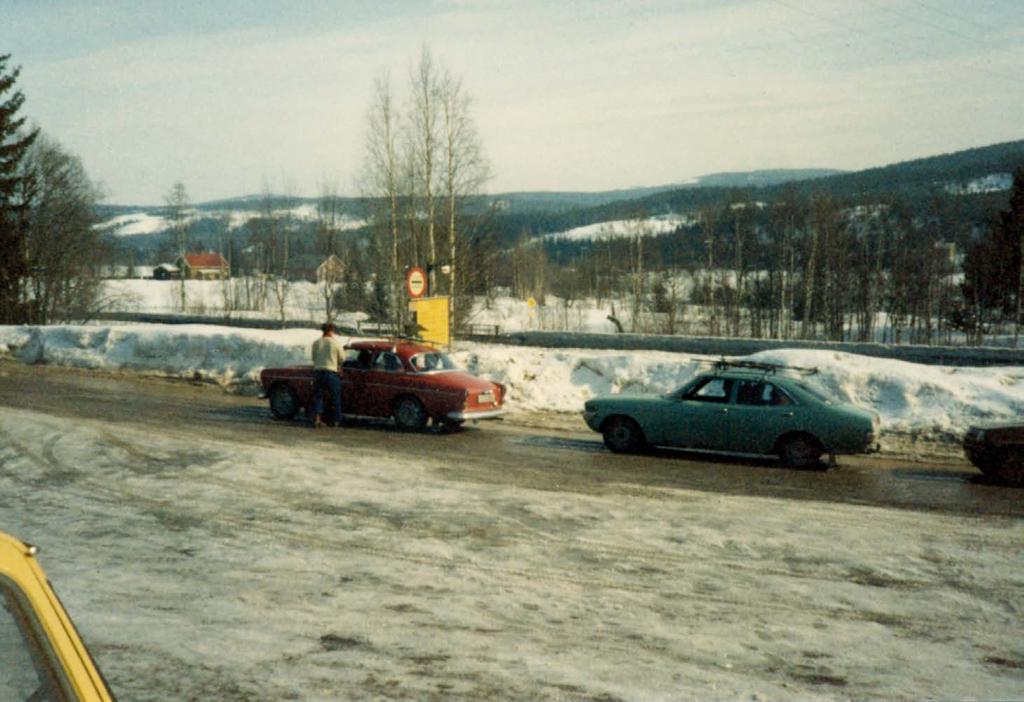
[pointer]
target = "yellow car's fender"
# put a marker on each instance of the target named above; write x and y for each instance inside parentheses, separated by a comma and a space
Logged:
(62, 664)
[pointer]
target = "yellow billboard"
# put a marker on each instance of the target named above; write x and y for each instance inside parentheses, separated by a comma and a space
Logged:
(430, 319)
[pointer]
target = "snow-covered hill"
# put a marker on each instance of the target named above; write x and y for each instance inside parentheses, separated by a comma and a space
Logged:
(145, 222)
(993, 183)
(650, 226)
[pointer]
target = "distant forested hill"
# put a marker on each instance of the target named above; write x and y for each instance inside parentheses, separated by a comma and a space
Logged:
(917, 184)
(971, 182)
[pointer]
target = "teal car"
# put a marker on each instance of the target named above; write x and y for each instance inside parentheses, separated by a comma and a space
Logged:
(739, 408)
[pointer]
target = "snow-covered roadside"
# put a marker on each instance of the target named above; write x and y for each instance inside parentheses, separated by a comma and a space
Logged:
(924, 403)
(200, 569)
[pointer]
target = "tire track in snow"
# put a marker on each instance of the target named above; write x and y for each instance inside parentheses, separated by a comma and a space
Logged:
(120, 493)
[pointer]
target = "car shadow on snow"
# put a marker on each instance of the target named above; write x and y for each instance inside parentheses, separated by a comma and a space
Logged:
(598, 447)
(252, 415)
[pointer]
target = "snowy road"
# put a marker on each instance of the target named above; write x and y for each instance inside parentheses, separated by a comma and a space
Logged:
(209, 553)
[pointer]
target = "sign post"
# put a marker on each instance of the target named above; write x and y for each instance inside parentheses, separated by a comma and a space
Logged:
(430, 314)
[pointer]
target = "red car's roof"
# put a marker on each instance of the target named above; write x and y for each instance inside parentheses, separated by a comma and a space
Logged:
(403, 349)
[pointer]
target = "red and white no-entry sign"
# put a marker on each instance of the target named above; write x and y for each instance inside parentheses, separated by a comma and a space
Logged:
(416, 282)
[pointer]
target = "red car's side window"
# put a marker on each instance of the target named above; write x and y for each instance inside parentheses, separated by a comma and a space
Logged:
(386, 361)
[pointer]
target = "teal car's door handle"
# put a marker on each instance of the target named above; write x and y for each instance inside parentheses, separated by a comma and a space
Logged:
(787, 414)
(724, 410)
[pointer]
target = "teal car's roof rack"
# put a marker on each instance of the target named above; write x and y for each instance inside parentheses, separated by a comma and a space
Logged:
(767, 368)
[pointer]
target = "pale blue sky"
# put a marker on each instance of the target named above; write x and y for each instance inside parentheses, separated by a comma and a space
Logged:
(228, 96)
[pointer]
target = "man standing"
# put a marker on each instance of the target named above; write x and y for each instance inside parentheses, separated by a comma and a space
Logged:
(327, 360)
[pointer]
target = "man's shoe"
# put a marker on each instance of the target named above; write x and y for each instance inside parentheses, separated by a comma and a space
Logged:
(318, 423)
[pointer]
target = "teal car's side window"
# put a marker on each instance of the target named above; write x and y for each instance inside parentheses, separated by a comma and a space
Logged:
(711, 390)
(761, 394)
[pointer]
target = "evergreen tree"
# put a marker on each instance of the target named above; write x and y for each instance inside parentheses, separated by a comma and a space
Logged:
(1011, 227)
(15, 187)
(993, 277)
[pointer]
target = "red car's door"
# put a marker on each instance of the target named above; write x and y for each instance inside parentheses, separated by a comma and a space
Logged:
(353, 383)
(352, 396)
(382, 384)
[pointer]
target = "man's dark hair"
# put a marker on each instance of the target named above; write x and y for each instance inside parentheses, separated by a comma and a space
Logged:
(327, 327)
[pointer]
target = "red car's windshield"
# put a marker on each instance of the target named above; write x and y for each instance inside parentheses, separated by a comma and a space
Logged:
(433, 361)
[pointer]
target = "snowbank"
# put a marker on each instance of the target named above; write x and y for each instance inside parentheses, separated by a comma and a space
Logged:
(923, 402)
(227, 356)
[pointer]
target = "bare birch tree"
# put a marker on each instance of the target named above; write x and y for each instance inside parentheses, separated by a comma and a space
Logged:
(810, 278)
(707, 220)
(418, 169)
(328, 213)
(426, 139)
(382, 173)
(272, 237)
(177, 203)
(465, 170)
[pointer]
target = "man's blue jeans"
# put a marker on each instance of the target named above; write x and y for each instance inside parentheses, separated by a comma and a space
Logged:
(330, 382)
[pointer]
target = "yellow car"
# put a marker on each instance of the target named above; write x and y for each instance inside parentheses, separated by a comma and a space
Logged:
(42, 657)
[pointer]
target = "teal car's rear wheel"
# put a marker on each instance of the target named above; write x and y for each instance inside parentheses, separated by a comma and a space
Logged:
(800, 451)
(623, 435)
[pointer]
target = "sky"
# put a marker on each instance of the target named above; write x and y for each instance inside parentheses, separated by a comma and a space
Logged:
(236, 97)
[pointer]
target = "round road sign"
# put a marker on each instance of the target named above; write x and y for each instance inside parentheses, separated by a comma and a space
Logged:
(416, 282)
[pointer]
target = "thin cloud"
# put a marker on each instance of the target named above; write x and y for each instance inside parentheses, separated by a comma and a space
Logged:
(574, 95)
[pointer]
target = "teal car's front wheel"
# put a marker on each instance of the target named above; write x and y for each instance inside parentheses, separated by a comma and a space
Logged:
(623, 435)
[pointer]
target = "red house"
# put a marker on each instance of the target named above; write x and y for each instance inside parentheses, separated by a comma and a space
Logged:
(207, 265)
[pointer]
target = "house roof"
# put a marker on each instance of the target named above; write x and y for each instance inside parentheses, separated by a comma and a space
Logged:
(205, 260)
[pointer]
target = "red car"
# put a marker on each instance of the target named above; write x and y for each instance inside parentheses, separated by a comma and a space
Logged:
(411, 382)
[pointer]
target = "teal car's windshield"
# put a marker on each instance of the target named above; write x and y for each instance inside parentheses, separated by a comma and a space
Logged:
(681, 390)
(816, 394)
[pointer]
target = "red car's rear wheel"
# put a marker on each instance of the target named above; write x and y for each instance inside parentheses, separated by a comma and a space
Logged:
(284, 404)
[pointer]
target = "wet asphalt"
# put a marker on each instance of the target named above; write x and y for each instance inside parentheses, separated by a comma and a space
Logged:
(529, 451)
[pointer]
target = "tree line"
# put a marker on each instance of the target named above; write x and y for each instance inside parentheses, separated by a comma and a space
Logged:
(423, 161)
(800, 266)
(48, 249)
(792, 261)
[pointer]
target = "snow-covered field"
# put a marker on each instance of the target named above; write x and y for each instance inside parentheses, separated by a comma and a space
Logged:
(243, 297)
(915, 402)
